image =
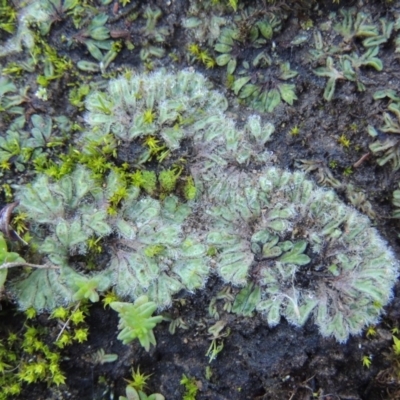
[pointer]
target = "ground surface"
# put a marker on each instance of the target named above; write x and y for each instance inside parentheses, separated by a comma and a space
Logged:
(257, 362)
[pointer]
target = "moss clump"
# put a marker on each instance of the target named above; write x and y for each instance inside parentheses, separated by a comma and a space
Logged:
(309, 253)
(303, 249)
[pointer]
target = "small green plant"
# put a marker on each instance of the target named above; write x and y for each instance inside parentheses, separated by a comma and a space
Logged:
(8, 16)
(139, 380)
(95, 36)
(133, 394)
(109, 297)
(7, 259)
(348, 171)
(396, 345)
(201, 55)
(10, 97)
(387, 150)
(366, 361)
(168, 179)
(344, 61)
(217, 343)
(344, 141)
(333, 164)
(100, 357)
(265, 90)
(28, 357)
(246, 300)
(136, 321)
(23, 147)
(189, 189)
(371, 331)
(77, 95)
(191, 388)
(333, 75)
(295, 130)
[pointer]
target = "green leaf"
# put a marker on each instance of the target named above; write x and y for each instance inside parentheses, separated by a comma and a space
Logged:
(88, 287)
(295, 256)
(231, 66)
(94, 50)
(288, 92)
(248, 91)
(193, 273)
(239, 83)
(265, 28)
(261, 236)
(99, 20)
(227, 37)
(374, 62)
(43, 289)
(286, 72)
(223, 48)
(136, 321)
(391, 93)
(3, 277)
(246, 300)
(271, 252)
(100, 33)
(272, 100)
(223, 59)
(329, 89)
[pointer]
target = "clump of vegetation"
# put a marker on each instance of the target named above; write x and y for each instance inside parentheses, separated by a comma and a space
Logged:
(27, 356)
(133, 394)
(137, 322)
(8, 17)
(110, 204)
(275, 259)
(342, 62)
(75, 210)
(265, 89)
(387, 149)
(20, 146)
(190, 386)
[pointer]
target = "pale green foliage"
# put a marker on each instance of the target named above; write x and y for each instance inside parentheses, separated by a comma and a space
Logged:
(153, 35)
(233, 44)
(6, 257)
(96, 36)
(10, 99)
(151, 253)
(360, 25)
(342, 62)
(397, 28)
(253, 219)
(346, 68)
(42, 289)
(178, 102)
(246, 300)
(133, 394)
(257, 77)
(182, 108)
(396, 203)
(306, 253)
(73, 210)
(158, 259)
(255, 91)
(20, 146)
(87, 287)
(136, 321)
(388, 149)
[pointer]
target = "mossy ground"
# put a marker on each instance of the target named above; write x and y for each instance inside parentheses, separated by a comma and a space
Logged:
(256, 362)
